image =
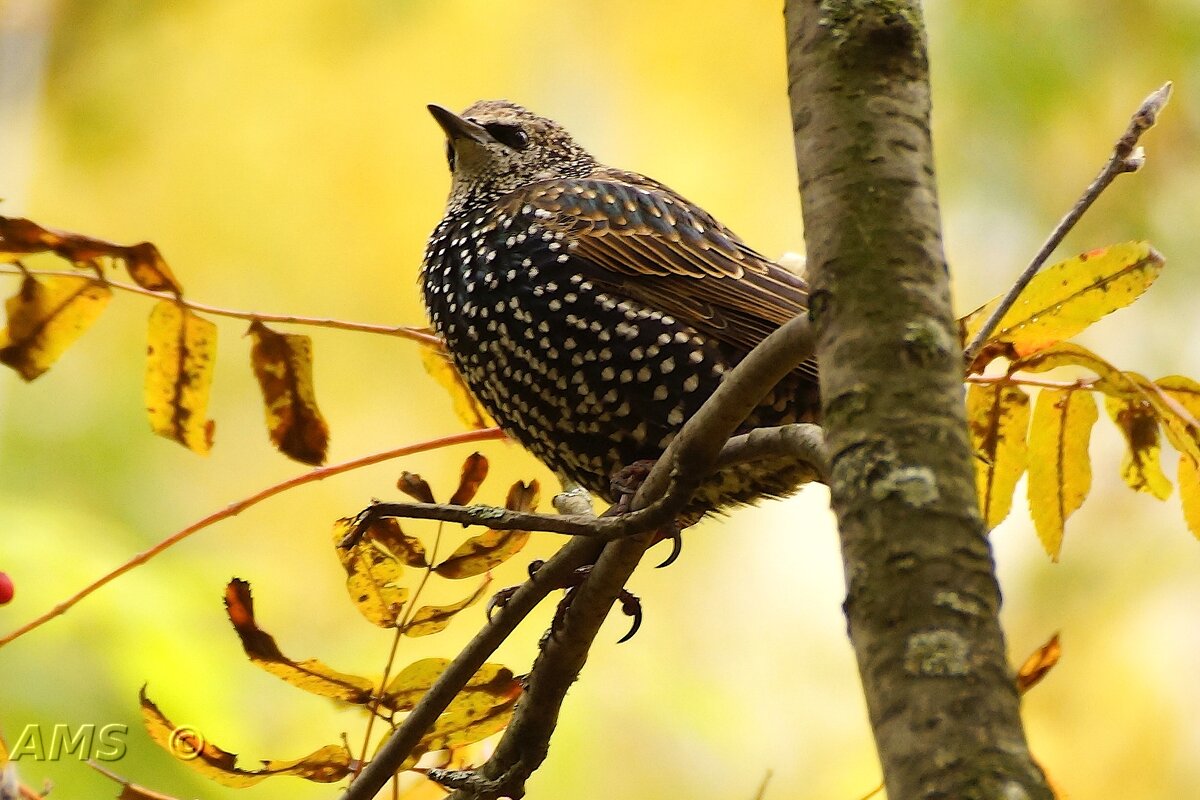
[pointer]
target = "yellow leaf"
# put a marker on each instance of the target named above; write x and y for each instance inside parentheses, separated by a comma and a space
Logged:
(432, 619)
(1140, 467)
(1189, 492)
(45, 317)
(1060, 474)
(471, 717)
(372, 573)
(1185, 392)
(1182, 397)
(330, 763)
(310, 675)
(1109, 380)
(411, 683)
(179, 367)
(999, 421)
(1067, 297)
(437, 363)
(482, 708)
(483, 552)
(1169, 402)
(1178, 421)
(283, 366)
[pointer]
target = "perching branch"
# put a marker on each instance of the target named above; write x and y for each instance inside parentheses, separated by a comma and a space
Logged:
(1126, 157)
(700, 446)
(800, 441)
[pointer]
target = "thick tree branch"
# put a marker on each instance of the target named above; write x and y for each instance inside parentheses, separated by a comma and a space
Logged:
(922, 600)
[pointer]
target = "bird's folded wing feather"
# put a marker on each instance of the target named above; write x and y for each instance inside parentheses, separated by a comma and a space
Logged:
(639, 239)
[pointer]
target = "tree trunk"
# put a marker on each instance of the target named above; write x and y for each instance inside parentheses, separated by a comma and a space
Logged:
(922, 599)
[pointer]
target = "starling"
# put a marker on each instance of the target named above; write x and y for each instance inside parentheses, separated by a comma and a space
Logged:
(593, 310)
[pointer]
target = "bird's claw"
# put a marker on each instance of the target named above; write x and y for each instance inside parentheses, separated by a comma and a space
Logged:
(674, 532)
(631, 605)
(500, 599)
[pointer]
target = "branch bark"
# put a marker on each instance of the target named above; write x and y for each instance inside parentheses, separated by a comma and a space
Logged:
(922, 598)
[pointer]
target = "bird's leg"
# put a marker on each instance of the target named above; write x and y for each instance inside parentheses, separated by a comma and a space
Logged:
(500, 599)
(631, 605)
(625, 484)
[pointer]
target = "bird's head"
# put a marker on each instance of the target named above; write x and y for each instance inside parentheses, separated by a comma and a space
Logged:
(496, 146)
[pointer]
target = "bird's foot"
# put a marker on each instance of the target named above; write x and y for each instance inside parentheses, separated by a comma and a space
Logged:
(626, 481)
(500, 599)
(631, 605)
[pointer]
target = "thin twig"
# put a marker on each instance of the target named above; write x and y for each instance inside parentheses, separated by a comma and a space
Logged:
(1126, 157)
(130, 789)
(401, 331)
(1037, 383)
(233, 509)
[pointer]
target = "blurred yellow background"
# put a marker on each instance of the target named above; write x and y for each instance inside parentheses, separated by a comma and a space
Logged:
(280, 155)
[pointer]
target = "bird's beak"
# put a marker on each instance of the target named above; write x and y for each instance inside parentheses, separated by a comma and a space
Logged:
(457, 128)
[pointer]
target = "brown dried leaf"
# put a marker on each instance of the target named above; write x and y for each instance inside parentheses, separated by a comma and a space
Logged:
(283, 365)
(1039, 663)
(310, 675)
(148, 270)
(437, 363)
(45, 318)
(999, 422)
(145, 265)
(480, 553)
(1060, 473)
(372, 574)
(474, 472)
(431, 619)
(387, 533)
(330, 763)
(415, 487)
(179, 367)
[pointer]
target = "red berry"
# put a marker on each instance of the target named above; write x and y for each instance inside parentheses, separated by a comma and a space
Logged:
(6, 588)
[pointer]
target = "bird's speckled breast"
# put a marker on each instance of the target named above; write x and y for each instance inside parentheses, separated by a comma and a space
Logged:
(588, 380)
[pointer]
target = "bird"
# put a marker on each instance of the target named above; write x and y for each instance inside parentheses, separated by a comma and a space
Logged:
(592, 310)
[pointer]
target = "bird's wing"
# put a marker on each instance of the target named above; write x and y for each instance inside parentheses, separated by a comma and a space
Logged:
(640, 239)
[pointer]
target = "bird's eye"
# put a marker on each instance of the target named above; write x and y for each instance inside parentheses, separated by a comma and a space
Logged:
(450, 155)
(508, 135)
